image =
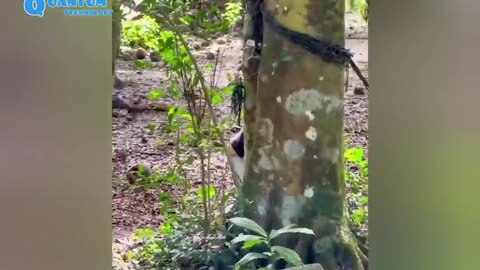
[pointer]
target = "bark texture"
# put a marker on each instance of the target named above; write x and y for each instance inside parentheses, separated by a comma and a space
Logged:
(294, 133)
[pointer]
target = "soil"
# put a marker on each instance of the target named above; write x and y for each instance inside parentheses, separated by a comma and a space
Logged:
(133, 144)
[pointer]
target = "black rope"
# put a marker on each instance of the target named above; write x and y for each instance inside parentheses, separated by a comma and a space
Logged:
(328, 51)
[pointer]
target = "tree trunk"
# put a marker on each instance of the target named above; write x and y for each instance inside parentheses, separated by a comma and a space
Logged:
(116, 41)
(294, 114)
(116, 32)
(349, 5)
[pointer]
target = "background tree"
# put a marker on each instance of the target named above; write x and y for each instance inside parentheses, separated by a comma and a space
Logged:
(294, 128)
(116, 40)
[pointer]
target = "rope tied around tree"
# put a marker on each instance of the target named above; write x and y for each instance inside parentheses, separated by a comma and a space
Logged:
(328, 51)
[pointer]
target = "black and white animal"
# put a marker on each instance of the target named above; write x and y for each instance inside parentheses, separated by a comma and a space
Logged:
(236, 152)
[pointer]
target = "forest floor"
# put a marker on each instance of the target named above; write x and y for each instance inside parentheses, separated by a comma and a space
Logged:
(133, 144)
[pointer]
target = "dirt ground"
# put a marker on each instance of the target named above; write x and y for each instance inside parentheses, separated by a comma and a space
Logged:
(132, 144)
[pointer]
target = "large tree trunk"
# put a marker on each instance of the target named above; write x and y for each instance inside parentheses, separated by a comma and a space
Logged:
(294, 132)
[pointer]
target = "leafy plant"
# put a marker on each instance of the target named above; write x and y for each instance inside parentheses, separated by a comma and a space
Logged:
(196, 123)
(233, 13)
(358, 180)
(141, 33)
(165, 248)
(260, 236)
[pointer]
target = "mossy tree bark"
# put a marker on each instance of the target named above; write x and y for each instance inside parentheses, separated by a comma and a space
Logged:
(294, 133)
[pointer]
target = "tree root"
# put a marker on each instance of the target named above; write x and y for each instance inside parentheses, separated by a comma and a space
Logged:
(352, 257)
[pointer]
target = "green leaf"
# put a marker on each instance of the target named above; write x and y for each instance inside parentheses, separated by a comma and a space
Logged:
(276, 233)
(246, 237)
(156, 94)
(141, 169)
(145, 234)
(249, 225)
(360, 216)
(217, 98)
(211, 191)
(355, 155)
(364, 200)
(171, 112)
(139, 64)
(172, 178)
(188, 19)
(176, 92)
(187, 116)
(209, 66)
(251, 243)
(151, 127)
(182, 112)
(156, 177)
(248, 258)
(165, 197)
(184, 138)
(288, 255)
(229, 89)
(131, 255)
(166, 228)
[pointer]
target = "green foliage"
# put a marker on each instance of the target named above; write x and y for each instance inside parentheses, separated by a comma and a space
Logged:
(165, 248)
(147, 236)
(186, 126)
(363, 9)
(288, 255)
(139, 64)
(233, 13)
(210, 191)
(151, 128)
(196, 17)
(249, 225)
(360, 6)
(156, 179)
(141, 33)
(357, 177)
(156, 94)
(273, 252)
